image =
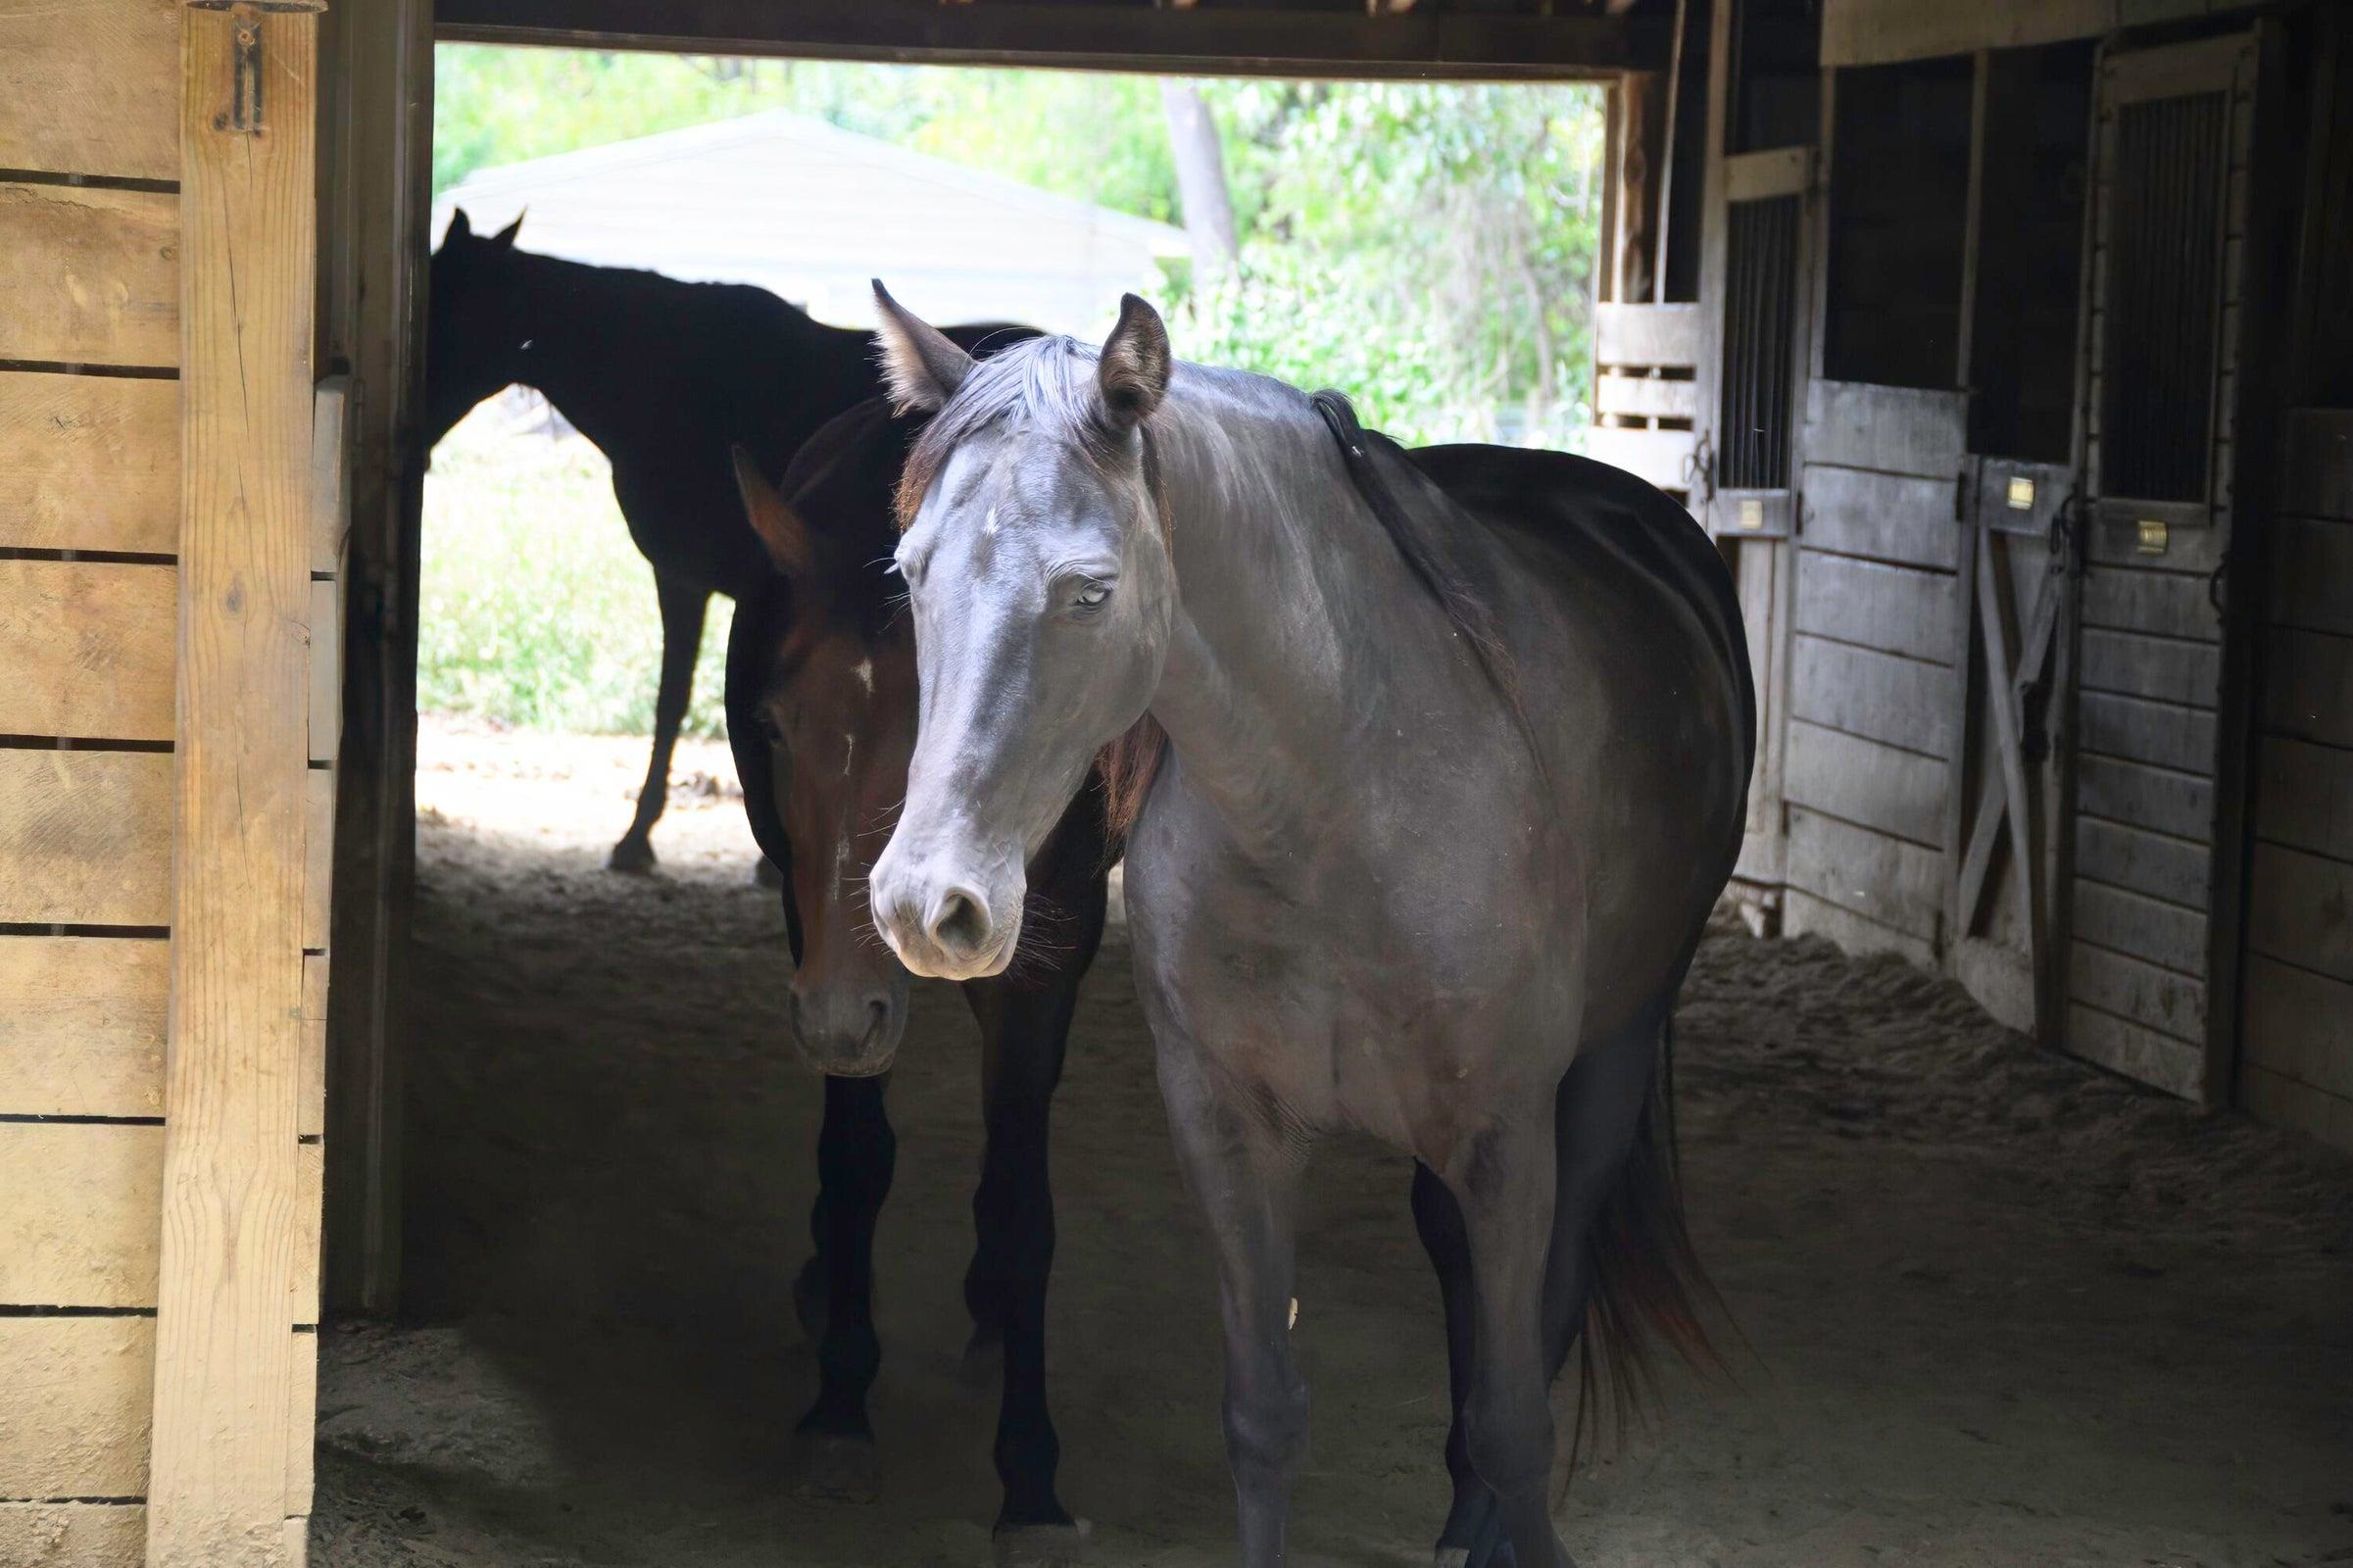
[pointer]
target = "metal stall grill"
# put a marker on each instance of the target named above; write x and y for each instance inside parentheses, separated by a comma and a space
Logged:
(1760, 334)
(2163, 300)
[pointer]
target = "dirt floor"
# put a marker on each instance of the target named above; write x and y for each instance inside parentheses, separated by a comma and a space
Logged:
(1997, 1308)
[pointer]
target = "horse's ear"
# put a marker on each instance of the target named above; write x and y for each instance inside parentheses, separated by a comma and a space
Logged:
(504, 239)
(779, 526)
(922, 365)
(461, 227)
(1134, 368)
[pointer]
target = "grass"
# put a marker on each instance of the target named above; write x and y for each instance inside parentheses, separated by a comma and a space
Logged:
(537, 612)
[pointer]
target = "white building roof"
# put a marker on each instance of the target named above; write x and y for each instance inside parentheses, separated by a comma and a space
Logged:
(811, 212)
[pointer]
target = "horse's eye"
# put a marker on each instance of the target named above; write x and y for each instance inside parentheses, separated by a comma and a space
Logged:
(1091, 596)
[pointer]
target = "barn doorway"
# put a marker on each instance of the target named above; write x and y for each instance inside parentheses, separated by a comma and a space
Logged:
(607, 1178)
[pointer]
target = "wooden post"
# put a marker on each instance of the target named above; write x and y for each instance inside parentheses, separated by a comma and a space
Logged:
(372, 320)
(233, 1230)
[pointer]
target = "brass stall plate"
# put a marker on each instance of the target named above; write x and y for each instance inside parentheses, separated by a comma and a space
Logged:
(2153, 538)
(1752, 516)
(2022, 494)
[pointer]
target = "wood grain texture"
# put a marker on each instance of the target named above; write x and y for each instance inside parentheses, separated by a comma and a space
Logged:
(2308, 686)
(2285, 1102)
(2162, 603)
(311, 1106)
(1646, 334)
(2150, 996)
(88, 647)
(2159, 797)
(1898, 608)
(72, 1535)
(2123, 1046)
(2146, 928)
(2143, 862)
(1881, 696)
(85, 837)
(2304, 797)
(1803, 914)
(2300, 1024)
(2316, 477)
(2159, 733)
(1885, 880)
(90, 276)
(73, 1407)
(2300, 908)
(88, 463)
(1871, 32)
(77, 89)
(2155, 668)
(234, 1233)
(1894, 430)
(81, 1025)
(2312, 567)
(326, 628)
(1865, 783)
(80, 1203)
(302, 1428)
(1881, 517)
(1650, 396)
(1655, 457)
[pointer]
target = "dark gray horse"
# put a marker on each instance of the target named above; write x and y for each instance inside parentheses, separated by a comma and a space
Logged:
(1456, 760)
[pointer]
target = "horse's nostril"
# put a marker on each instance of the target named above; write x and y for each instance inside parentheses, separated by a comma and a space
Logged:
(878, 1016)
(962, 923)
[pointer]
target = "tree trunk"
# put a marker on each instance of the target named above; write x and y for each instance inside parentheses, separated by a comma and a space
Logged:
(1200, 170)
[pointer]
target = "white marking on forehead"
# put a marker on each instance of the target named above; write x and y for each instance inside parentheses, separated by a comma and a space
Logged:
(865, 675)
(849, 751)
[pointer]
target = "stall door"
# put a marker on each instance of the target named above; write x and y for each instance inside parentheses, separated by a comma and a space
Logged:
(2019, 490)
(2162, 335)
(1748, 394)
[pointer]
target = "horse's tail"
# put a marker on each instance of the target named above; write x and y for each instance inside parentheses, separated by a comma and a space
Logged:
(1648, 1288)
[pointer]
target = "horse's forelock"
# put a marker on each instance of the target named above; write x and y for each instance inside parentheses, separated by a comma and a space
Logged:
(1047, 383)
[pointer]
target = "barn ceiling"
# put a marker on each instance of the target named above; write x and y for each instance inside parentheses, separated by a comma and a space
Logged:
(1466, 39)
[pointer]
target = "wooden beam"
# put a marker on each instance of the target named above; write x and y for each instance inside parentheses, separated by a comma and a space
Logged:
(378, 166)
(2001, 658)
(1228, 40)
(233, 1239)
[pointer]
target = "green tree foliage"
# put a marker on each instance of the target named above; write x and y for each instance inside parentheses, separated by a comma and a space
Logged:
(1427, 247)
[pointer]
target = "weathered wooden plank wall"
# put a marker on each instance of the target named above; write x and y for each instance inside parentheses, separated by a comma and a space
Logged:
(229, 1473)
(1873, 681)
(2296, 1038)
(89, 532)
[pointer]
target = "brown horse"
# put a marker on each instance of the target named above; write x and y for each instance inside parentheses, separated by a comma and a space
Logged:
(822, 710)
(665, 377)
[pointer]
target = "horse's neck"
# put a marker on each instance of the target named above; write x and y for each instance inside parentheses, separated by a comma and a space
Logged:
(1263, 681)
(614, 351)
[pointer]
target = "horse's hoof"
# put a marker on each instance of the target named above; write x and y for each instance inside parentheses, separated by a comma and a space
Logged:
(1043, 1545)
(834, 1467)
(633, 856)
(984, 1358)
(809, 1303)
(767, 875)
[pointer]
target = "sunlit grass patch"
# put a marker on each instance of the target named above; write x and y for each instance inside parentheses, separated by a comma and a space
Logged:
(537, 612)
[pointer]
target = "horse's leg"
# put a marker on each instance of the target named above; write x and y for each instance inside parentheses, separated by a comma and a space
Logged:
(1023, 1034)
(1597, 1111)
(1438, 1219)
(683, 608)
(1243, 1171)
(1504, 1181)
(856, 1152)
